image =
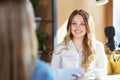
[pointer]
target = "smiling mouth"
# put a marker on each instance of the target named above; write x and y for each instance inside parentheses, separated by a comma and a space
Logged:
(78, 32)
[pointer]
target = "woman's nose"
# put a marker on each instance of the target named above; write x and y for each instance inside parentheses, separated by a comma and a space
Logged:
(78, 26)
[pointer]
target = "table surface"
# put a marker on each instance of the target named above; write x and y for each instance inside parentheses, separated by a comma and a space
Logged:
(112, 77)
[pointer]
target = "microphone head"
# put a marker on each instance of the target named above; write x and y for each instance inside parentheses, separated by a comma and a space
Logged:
(109, 31)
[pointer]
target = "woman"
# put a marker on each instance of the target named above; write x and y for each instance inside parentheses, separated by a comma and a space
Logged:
(80, 48)
(18, 43)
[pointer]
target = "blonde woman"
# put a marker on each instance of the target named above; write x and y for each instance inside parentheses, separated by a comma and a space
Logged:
(80, 48)
(18, 43)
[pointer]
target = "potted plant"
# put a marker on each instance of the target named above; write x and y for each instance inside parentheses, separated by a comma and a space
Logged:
(42, 39)
(42, 52)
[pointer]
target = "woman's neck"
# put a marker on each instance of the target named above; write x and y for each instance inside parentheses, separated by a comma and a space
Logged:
(78, 43)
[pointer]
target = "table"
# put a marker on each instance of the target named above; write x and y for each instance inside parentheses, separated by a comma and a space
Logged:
(112, 77)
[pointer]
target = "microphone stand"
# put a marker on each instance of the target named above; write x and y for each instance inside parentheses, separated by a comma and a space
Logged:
(112, 49)
(113, 55)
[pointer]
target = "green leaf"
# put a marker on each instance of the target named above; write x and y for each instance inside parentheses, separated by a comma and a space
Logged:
(35, 4)
(42, 39)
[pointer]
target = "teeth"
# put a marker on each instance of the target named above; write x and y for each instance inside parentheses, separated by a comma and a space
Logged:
(78, 32)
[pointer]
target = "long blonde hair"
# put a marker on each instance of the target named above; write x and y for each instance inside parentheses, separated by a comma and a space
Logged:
(88, 47)
(18, 43)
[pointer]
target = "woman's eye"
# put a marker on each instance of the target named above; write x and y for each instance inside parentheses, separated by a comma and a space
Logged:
(82, 23)
(73, 24)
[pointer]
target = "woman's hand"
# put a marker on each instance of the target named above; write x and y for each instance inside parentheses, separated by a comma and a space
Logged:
(81, 77)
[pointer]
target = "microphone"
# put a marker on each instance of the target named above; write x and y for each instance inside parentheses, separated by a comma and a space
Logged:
(110, 33)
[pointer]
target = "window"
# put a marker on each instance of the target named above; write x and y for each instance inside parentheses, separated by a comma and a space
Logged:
(116, 20)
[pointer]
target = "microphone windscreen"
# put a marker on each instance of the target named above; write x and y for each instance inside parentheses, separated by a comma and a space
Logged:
(109, 31)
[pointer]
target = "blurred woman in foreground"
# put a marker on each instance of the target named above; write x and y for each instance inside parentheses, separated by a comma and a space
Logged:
(18, 43)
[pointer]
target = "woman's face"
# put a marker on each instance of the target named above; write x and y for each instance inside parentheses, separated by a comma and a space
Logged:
(78, 28)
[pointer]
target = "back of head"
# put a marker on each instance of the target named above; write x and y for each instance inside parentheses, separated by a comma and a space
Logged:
(17, 39)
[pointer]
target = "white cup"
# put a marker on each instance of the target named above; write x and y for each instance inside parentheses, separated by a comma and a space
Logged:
(99, 74)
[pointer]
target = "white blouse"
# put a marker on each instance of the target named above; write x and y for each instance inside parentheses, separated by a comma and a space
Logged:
(71, 58)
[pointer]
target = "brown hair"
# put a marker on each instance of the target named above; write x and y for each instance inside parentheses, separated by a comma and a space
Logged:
(88, 50)
(18, 43)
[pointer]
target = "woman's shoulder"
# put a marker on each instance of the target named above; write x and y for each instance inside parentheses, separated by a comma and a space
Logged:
(59, 47)
(42, 71)
(99, 48)
(41, 64)
(98, 43)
